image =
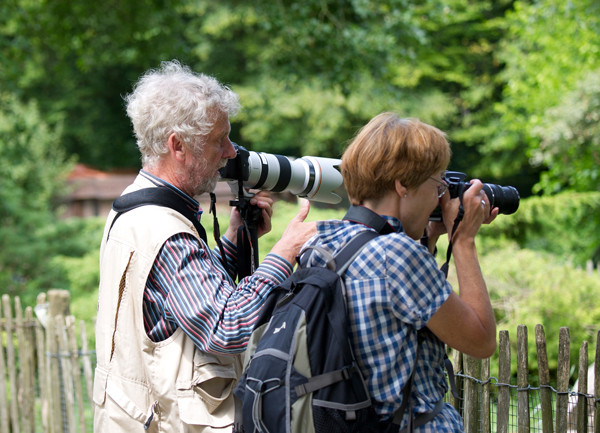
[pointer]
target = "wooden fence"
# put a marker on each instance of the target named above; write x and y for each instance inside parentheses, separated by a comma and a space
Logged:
(45, 373)
(46, 379)
(495, 403)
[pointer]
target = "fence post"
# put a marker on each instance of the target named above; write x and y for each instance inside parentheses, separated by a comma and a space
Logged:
(597, 385)
(503, 409)
(486, 426)
(4, 414)
(40, 341)
(544, 376)
(582, 407)
(87, 364)
(31, 381)
(457, 360)
(75, 361)
(522, 380)
(471, 400)
(26, 390)
(562, 380)
(58, 309)
(59, 302)
(11, 363)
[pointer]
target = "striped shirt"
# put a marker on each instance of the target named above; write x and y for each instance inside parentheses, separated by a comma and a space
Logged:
(393, 288)
(188, 287)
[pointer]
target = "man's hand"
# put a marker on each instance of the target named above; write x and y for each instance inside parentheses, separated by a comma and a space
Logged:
(264, 202)
(295, 234)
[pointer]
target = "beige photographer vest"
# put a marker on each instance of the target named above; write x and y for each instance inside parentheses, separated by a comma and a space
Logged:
(167, 386)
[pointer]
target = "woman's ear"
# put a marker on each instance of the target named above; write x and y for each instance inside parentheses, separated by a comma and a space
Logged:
(401, 190)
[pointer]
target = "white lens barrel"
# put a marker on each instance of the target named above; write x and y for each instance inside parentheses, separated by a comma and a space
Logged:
(312, 177)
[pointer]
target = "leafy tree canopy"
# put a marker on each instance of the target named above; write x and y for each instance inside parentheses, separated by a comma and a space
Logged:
(550, 98)
(493, 74)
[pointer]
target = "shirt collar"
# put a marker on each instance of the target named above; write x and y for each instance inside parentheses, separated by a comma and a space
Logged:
(157, 181)
(394, 222)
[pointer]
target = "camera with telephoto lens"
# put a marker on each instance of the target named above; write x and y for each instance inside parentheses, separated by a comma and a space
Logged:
(311, 177)
(505, 198)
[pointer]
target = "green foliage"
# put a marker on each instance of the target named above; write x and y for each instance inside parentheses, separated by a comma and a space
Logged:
(530, 287)
(312, 118)
(33, 168)
(550, 49)
(310, 73)
(78, 58)
(566, 225)
(570, 134)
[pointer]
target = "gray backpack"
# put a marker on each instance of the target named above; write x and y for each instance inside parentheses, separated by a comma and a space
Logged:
(300, 374)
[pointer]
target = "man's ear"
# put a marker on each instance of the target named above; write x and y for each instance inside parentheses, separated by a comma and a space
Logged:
(401, 190)
(176, 146)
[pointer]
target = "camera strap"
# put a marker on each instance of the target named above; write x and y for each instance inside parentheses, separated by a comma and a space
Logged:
(217, 232)
(158, 196)
(457, 220)
(365, 216)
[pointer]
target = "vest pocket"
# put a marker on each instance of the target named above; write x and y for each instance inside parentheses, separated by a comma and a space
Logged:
(208, 403)
(99, 390)
(120, 401)
(208, 398)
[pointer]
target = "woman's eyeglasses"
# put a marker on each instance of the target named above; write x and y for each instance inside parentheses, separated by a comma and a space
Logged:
(441, 188)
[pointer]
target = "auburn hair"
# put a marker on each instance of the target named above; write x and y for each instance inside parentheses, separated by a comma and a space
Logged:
(390, 148)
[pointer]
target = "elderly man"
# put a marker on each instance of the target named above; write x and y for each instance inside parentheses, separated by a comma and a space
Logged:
(171, 320)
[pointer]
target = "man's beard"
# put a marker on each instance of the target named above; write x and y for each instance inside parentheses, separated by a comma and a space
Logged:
(206, 185)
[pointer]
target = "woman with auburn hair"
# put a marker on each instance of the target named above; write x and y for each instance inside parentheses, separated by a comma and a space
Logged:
(402, 311)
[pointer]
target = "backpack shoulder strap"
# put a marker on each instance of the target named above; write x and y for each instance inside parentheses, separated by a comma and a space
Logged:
(159, 196)
(346, 255)
(362, 215)
(357, 214)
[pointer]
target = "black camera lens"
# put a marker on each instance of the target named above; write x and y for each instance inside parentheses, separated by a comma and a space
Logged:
(505, 198)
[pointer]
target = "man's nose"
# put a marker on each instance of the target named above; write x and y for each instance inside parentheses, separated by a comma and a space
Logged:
(229, 151)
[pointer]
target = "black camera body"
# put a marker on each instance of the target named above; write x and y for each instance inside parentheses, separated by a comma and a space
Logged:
(505, 198)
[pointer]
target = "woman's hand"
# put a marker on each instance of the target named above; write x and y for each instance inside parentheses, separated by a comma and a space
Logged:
(476, 211)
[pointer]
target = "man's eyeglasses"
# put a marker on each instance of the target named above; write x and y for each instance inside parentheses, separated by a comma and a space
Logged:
(441, 188)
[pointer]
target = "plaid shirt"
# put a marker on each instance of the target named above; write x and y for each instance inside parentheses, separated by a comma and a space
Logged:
(392, 289)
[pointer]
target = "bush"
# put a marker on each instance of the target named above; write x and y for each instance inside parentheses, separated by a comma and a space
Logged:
(33, 167)
(567, 225)
(530, 287)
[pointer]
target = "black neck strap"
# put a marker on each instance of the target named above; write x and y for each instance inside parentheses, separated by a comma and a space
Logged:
(160, 196)
(363, 215)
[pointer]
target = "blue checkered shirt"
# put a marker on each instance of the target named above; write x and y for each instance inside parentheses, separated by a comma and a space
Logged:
(393, 288)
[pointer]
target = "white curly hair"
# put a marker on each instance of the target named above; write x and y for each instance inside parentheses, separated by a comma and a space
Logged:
(174, 99)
